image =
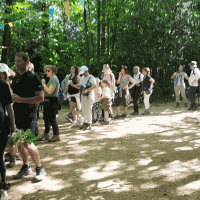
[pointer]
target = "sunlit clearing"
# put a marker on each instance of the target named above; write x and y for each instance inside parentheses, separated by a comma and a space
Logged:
(47, 184)
(148, 185)
(145, 161)
(173, 171)
(189, 188)
(102, 170)
(115, 185)
(62, 162)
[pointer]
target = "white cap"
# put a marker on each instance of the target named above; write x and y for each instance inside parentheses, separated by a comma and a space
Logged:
(4, 68)
(83, 69)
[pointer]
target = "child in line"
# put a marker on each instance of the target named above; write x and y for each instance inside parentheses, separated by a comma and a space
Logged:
(106, 100)
(95, 107)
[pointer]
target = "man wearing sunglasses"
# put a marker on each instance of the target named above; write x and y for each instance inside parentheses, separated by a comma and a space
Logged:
(27, 92)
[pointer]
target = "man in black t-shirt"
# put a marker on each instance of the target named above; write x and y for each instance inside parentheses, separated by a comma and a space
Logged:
(27, 92)
(7, 125)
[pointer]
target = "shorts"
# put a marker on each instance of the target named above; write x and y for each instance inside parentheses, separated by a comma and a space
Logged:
(105, 104)
(123, 99)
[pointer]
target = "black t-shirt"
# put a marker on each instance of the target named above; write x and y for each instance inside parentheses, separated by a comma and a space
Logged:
(5, 97)
(26, 86)
(73, 90)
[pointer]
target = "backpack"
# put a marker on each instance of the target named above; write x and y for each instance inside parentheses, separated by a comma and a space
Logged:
(61, 96)
(199, 78)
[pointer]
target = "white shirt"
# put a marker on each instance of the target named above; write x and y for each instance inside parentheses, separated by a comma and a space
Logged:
(84, 81)
(138, 78)
(194, 75)
(106, 93)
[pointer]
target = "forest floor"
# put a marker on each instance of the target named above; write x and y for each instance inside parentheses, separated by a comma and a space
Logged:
(137, 158)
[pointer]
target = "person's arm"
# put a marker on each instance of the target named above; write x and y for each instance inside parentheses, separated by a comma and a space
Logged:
(132, 85)
(186, 77)
(49, 89)
(152, 81)
(173, 76)
(11, 116)
(77, 86)
(38, 98)
(120, 76)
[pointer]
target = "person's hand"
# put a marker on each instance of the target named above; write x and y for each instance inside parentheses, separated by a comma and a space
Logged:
(16, 98)
(125, 87)
(120, 74)
(43, 81)
(85, 92)
(70, 83)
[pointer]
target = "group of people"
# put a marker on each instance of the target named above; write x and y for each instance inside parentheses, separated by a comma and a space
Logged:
(180, 86)
(23, 91)
(87, 93)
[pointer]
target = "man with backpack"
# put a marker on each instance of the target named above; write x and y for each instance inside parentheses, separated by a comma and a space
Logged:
(137, 89)
(193, 82)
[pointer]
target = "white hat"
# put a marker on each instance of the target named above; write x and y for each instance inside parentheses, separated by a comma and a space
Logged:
(83, 69)
(193, 63)
(4, 68)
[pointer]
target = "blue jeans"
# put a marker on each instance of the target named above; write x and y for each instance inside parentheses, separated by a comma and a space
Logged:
(191, 95)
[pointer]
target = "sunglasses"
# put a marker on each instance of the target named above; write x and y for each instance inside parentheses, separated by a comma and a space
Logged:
(48, 70)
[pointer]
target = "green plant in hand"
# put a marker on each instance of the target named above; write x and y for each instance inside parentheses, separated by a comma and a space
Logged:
(22, 136)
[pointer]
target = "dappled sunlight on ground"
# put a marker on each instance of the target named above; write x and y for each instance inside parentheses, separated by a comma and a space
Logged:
(142, 157)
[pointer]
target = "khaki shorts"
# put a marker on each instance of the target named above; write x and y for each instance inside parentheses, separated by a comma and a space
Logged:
(105, 104)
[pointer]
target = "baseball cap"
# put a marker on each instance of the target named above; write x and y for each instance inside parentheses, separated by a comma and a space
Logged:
(4, 68)
(193, 63)
(83, 69)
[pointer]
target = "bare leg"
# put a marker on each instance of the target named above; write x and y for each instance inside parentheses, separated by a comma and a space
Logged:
(106, 115)
(33, 151)
(23, 152)
(125, 110)
(118, 110)
(12, 150)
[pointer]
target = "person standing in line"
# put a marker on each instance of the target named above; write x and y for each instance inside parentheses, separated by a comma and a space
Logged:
(194, 83)
(6, 76)
(7, 126)
(51, 104)
(147, 88)
(27, 92)
(106, 99)
(179, 85)
(110, 77)
(87, 85)
(97, 99)
(74, 95)
(123, 81)
(137, 89)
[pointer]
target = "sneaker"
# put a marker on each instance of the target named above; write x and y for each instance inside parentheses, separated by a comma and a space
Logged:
(135, 113)
(123, 116)
(186, 105)
(81, 127)
(190, 108)
(55, 138)
(105, 122)
(87, 127)
(74, 124)
(94, 121)
(146, 112)
(12, 161)
(40, 173)
(44, 137)
(69, 119)
(178, 105)
(117, 117)
(25, 170)
(3, 194)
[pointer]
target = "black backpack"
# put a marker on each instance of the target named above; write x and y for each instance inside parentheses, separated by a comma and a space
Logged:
(61, 96)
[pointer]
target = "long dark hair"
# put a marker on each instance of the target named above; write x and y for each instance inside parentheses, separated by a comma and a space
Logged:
(76, 69)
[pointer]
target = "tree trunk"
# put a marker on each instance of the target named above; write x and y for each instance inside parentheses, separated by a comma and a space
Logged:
(99, 34)
(87, 37)
(6, 37)
(108, 29)
(103, 33)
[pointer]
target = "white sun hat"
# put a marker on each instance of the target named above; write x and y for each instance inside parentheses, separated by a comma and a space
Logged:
(4, 68)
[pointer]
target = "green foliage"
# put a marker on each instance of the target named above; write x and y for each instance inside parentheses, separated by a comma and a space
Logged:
(22, 136)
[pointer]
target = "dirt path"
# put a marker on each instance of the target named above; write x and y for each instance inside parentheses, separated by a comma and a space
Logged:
(143, 157)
